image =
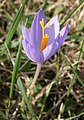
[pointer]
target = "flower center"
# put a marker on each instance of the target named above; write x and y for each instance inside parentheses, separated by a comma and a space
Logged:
(45, 37)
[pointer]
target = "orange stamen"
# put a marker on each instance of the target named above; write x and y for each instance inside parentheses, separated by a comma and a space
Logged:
(44, 42)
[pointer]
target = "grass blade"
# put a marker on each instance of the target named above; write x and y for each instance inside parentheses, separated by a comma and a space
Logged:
(22, 109)
(2, 115)
(74, 117)
(9, 54)
(13, 26)
(48, 88)
(73, 69)
(26, 99)
(72, 13)
(77, 65)
(14, 75)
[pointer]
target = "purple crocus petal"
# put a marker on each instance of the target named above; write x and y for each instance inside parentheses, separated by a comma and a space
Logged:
(59, 41)
(51, 49)
(63, 34)
(31, 52)
(25, 44)
(36, 29)
(53, 31)
(55, 21)
(25, 32)
(27, 35)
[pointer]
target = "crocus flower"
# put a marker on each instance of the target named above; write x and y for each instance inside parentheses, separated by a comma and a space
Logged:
(43, 39)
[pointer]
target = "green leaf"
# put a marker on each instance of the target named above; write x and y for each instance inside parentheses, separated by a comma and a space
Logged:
(14, 75)
(2, 115)
(26, 99)
(13, 26)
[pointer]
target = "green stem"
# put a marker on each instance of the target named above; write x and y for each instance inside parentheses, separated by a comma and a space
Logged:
(36, 75)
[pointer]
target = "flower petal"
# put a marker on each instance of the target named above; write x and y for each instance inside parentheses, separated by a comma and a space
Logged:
(50, 50)
(24, 43)
(27, 35)
(36, 30)
(63, 34)
(55, 21)
(31, 52)
(53, 31)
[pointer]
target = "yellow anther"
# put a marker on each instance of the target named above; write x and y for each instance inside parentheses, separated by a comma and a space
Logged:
(42, 23)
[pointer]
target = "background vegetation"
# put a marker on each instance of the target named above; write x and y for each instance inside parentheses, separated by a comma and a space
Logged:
(59, 90)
